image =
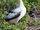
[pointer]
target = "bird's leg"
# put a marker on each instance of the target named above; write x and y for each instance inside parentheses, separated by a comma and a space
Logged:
(16, 23)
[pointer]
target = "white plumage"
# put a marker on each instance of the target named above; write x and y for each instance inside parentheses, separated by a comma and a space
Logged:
(16, 14)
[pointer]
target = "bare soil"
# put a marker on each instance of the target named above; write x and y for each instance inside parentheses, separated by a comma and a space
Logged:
(33, 28)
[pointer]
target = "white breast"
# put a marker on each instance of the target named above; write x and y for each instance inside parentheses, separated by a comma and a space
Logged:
(23, 12)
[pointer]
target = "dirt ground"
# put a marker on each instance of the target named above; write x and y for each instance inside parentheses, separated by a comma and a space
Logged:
(33, 28)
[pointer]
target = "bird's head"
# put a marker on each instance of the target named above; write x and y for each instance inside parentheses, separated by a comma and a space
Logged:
(19, 0)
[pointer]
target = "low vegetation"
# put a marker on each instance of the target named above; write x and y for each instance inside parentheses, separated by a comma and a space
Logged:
(6, 5)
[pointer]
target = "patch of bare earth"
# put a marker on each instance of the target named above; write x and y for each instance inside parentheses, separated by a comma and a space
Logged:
(33, 28)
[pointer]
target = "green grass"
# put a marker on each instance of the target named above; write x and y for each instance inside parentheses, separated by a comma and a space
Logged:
(23, 23)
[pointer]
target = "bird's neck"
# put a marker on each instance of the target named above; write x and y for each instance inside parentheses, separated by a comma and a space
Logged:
(20, 3)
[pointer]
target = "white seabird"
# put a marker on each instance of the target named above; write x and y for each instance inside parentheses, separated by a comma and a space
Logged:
(16, 14)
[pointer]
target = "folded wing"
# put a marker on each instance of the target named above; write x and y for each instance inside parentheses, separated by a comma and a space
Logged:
(11, 16)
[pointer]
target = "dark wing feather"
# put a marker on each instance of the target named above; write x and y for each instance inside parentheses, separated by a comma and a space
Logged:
(16, 16)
